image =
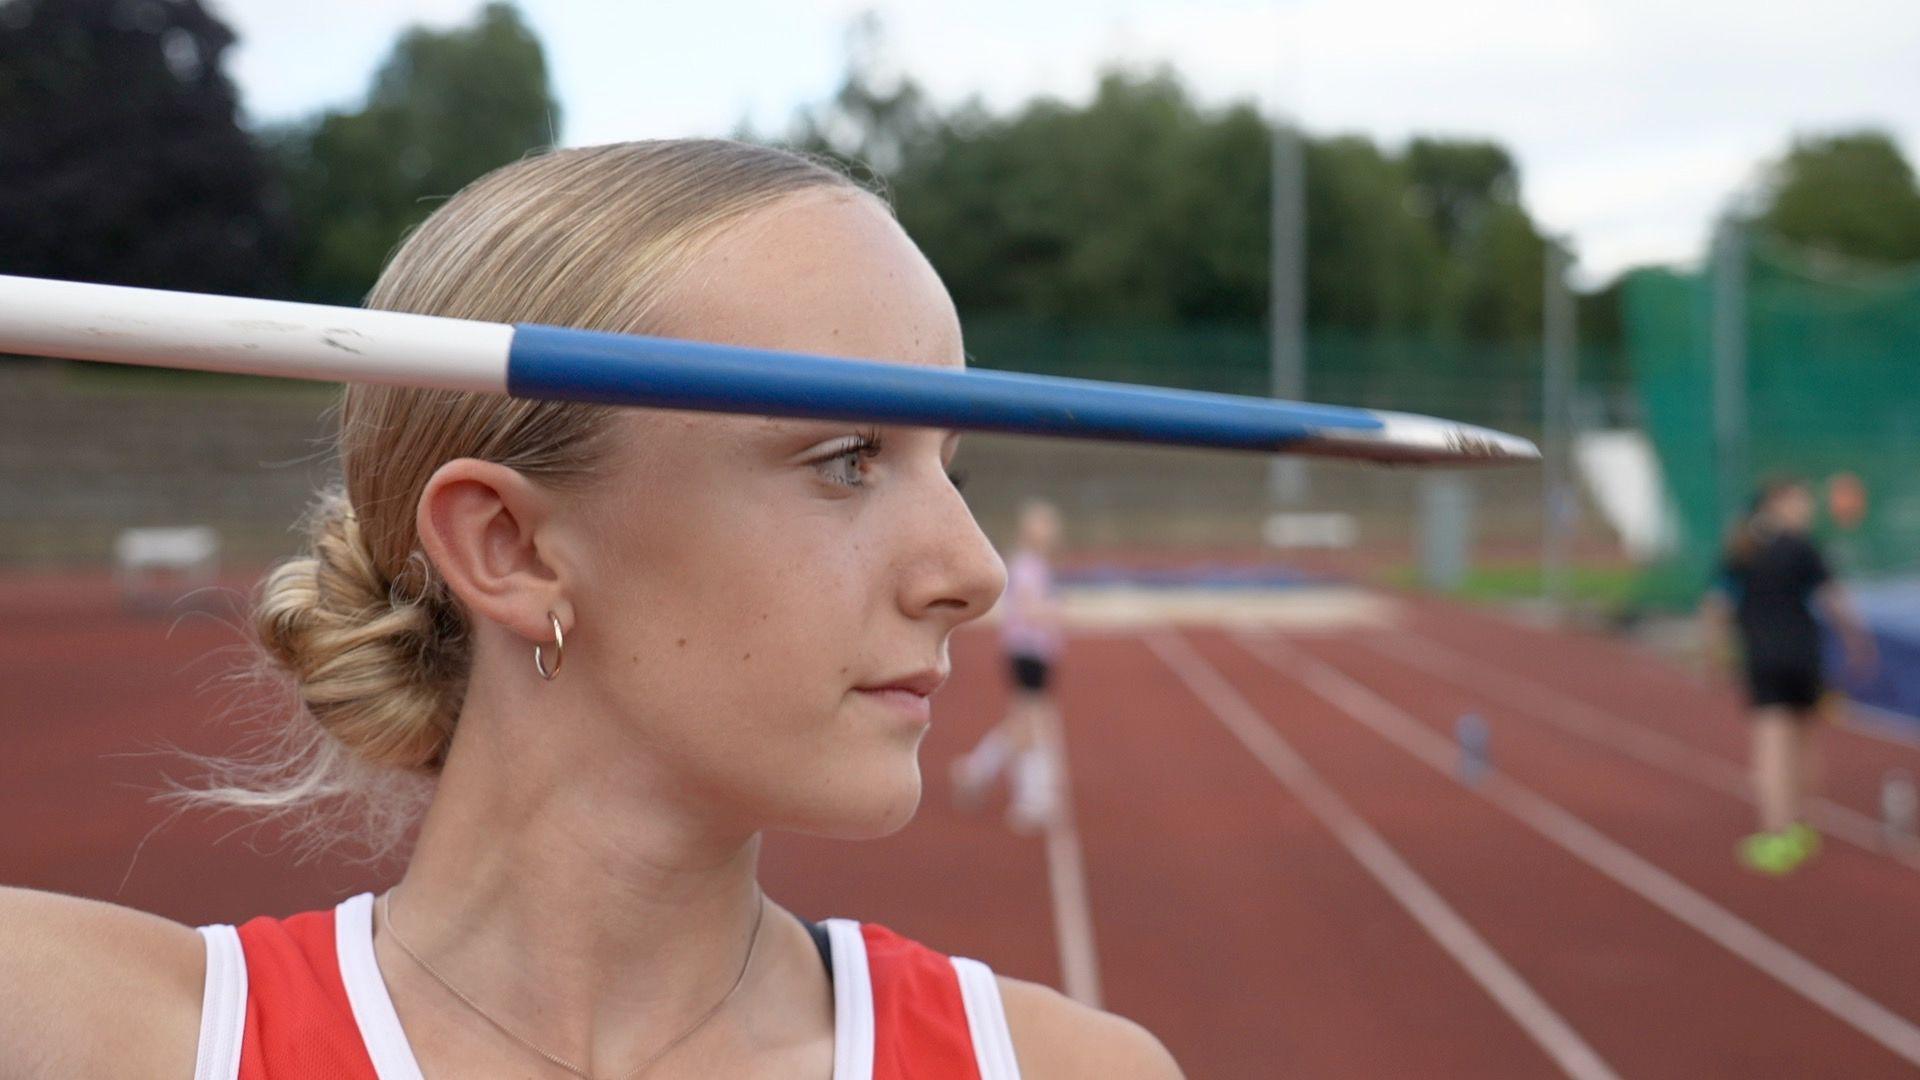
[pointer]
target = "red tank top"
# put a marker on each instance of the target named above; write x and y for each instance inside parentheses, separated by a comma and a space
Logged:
(301, 998)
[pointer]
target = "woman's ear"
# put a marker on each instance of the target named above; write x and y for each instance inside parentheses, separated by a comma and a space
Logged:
(479, 522)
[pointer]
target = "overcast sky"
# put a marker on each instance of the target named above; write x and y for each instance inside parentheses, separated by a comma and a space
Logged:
(1633, 120)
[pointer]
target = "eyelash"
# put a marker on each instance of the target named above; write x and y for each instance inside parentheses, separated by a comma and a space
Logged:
(867, 445)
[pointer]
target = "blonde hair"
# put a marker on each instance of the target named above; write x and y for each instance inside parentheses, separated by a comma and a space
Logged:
(359, 628)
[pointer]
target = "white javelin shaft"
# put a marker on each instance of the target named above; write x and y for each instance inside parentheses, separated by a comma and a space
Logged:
(254, 337)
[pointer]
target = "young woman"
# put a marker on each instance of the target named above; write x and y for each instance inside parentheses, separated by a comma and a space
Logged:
(615, 646)
(1769, 583)
(1032, 635)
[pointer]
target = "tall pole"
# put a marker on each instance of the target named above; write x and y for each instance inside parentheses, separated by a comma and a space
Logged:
(1287, 299)
(1730, 367)
(1559, 345)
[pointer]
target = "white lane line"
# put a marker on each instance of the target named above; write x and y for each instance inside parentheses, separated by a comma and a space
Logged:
(1508, 990)
(1864, 721)
(1594, 848)
(1882, 725)
(1662, 751)
(1067, 883)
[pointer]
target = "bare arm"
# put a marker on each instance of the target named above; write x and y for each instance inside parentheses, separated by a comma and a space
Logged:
(93, 989)
(1057, 1037)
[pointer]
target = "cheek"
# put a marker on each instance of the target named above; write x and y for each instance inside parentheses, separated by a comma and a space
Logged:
(741, 603)
(740, 660)
(778, 587)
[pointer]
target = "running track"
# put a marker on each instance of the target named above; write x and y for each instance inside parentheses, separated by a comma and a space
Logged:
(1283, 878)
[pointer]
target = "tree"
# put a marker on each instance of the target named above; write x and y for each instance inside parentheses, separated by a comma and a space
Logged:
(121, 159)
(1144, 205)
(876, 120)
(1850, 194)
(444, 108)
(1469, 191)
(1374, 261)
(1071, 232)
(1458, 184)
(1101, 211)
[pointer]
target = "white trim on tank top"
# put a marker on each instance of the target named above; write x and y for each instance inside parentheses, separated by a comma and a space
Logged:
(224, 1004)
(852, 1001)
(986, 1020)
(367, 993)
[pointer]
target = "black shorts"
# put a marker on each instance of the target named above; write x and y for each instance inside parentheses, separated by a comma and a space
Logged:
(1796, 687)
(1030, 673)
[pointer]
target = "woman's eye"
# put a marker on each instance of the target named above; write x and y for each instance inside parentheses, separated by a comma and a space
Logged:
(847, 468)
(844, 468)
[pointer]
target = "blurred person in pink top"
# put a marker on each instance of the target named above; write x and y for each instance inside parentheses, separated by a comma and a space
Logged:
(1032, 634)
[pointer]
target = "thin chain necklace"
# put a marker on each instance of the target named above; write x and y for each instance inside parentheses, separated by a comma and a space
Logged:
(760, 912)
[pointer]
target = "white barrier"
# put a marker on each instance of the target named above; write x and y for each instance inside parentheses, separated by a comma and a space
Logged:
(1332, 531)
(145, 559)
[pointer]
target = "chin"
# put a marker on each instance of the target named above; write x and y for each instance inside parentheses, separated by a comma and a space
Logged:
(868, 807)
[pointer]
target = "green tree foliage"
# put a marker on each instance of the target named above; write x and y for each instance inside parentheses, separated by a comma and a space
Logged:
(121, 159)
(1144, 205)
(1094, 212)
(1469, 191)
(445, 108)
(1455, 184)
(1850, 194)
(1374, 260)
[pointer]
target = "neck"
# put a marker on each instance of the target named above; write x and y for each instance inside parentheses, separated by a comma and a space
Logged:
(593, 918)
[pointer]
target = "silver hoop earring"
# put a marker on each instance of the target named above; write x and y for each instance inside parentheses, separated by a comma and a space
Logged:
(559, 651)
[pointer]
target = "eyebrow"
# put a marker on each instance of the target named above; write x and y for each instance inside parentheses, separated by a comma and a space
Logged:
(946, 435)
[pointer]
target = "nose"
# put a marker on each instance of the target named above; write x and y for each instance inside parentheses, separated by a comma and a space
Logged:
(958, 575)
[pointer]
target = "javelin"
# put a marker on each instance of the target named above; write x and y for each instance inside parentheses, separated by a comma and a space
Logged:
(340, 344)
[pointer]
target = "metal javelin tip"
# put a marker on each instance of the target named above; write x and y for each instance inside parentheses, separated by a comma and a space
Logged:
(1408, 438)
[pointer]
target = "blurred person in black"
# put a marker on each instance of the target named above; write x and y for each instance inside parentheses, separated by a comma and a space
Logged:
(1770, 580)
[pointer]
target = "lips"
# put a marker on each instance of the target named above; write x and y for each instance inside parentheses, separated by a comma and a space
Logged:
(908, 696)
(924, 683)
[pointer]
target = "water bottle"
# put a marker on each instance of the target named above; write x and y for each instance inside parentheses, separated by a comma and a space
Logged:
(1470, 731)
(1899, 806)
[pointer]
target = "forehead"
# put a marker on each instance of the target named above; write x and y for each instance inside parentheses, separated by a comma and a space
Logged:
(825, 272)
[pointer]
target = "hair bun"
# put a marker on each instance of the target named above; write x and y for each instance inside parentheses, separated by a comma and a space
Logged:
(370, 662)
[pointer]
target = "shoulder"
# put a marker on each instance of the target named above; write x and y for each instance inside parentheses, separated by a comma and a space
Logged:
(1790, 543)
(88, 988)
(1057, 1036)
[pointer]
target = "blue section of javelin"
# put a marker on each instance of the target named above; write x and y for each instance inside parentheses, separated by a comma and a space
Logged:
(625, 369)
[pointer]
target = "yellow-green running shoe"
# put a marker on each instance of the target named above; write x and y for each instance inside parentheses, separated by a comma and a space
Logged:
(1806, 836)
(1773, 854)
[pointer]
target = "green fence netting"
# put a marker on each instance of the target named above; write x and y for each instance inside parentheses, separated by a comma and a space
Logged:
(1831, 359)
(1496, 384)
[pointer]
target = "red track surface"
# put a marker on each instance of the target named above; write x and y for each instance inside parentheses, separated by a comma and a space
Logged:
(1228, 918)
